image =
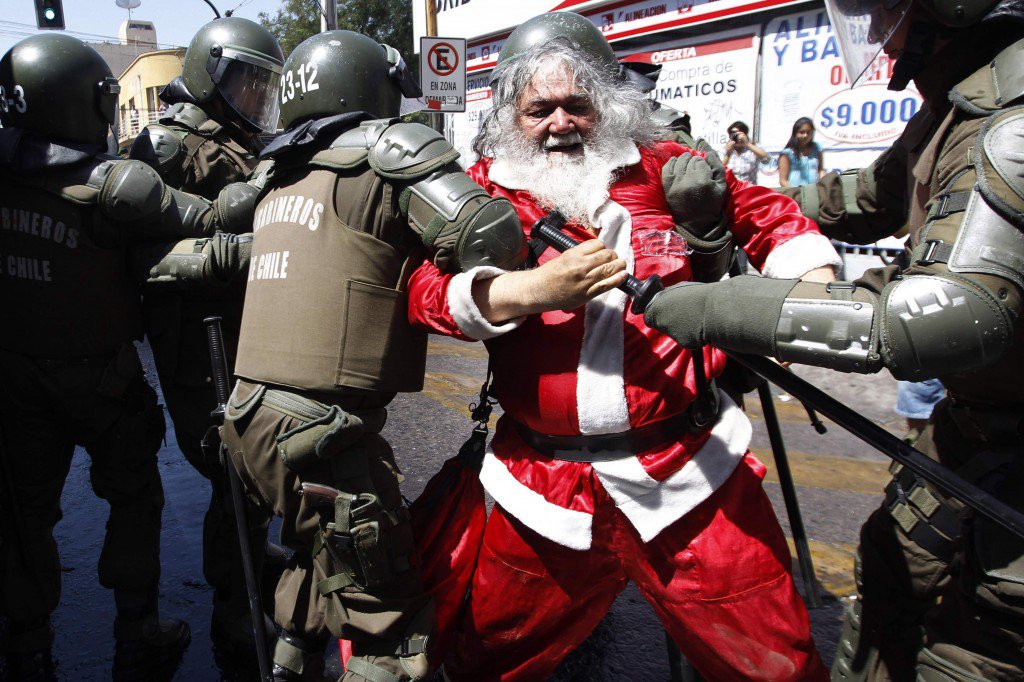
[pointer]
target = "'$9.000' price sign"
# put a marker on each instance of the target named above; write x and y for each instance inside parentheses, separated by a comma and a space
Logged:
(866, 114)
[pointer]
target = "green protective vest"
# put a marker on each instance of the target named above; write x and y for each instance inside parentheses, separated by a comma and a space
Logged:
(325, 304)
(62, 294)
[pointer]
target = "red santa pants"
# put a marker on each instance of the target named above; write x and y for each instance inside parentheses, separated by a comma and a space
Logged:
(718, 579)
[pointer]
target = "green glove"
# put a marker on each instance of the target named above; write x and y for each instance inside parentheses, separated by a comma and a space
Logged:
(229, 255)
(739, 314)
(679, 312)
(695, 190)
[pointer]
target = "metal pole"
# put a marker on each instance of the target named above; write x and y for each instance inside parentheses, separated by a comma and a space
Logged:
(431, 18)
(218, 360)
(328, 15)
(436, 120)
(980, 500)
(796, 522)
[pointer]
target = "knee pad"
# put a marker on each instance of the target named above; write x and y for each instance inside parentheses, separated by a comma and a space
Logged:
(293, 656)
(408, 655)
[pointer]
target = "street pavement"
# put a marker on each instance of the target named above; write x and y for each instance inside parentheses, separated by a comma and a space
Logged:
(839, 482)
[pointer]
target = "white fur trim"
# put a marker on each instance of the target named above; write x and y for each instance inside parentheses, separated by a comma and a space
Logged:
(465, 311)
(567, 527)
(801, 254)
(600, 387)
(505, 175)
(650, 505)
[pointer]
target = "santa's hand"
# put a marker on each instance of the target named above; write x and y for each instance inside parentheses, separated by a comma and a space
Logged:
(679, 312)
(695, 190)
(576, 276)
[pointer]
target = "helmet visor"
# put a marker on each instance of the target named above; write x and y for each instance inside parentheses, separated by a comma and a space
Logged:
(249, 86)
(862, 28)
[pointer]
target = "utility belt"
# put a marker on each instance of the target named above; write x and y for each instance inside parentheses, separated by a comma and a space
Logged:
(327, 429)
(603, 447)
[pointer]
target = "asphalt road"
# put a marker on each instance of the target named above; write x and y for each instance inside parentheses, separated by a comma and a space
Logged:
(839, 483)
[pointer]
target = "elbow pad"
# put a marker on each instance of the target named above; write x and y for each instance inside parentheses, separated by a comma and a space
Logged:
(937, 325)
(461, 225)
(130, 191)
(235, 207)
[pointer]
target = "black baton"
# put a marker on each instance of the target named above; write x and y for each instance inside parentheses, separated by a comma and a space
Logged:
(219, 363)
(549, 230)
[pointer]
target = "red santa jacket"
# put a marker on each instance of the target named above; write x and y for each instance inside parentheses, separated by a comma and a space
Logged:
(600, 369)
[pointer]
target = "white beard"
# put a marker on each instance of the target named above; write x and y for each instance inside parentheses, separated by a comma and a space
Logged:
(575, 185)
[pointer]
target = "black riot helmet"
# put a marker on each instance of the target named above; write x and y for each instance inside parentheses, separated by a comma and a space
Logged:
(238, 61)
(59, 87)
(341, 72)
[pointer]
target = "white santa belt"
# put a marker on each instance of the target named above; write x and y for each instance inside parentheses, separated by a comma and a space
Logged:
(649, 504)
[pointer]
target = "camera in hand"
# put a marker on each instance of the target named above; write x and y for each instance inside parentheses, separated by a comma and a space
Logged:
(734, 136)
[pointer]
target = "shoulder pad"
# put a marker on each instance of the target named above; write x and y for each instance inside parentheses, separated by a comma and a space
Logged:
(186, 115)
(352, 147)
(410, 150)
(158, 146)
(130, 190)
(997, 85)
(999, 164)
(364, 136)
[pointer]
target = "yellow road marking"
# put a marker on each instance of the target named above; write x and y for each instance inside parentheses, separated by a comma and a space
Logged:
(461, 349)
(831, 473)
(833, 566)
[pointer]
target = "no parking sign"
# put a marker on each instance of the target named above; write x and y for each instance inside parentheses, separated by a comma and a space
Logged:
(443, 73)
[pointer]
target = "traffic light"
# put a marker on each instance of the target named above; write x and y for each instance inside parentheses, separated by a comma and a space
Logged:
(49, 14)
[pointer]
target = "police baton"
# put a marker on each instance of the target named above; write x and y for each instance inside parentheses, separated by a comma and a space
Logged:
(219, 363)
(874, 435)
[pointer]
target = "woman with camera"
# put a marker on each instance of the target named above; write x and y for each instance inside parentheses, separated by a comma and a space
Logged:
(741, 155)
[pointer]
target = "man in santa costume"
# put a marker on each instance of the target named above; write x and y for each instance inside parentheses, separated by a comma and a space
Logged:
(600, 469)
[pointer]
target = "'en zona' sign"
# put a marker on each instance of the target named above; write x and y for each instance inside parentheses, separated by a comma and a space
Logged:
(443, 73)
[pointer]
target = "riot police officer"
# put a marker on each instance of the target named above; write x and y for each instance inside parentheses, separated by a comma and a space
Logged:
(224, 99)
(70, 218)
(939, 588)
(351, 206)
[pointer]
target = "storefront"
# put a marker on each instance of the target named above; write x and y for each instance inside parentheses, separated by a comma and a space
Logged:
(765, 62)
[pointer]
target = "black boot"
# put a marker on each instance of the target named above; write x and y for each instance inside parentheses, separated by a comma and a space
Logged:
(149, 649)
(28, 651)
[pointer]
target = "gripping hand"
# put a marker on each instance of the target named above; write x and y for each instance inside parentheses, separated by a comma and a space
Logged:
(695, 190)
